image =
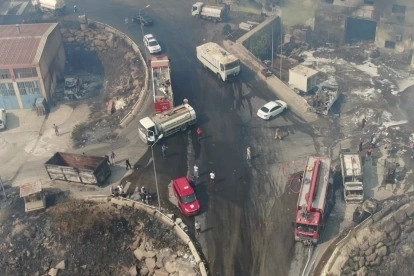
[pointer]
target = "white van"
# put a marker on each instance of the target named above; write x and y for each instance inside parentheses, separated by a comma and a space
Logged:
(2, 119)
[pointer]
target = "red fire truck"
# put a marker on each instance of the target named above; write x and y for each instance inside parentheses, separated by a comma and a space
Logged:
(161, 84)
(312, 201)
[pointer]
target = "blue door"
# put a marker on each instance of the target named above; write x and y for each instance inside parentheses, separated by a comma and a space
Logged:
(29, 91)
(8, 98)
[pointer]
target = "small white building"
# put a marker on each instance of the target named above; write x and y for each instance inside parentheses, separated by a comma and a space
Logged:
(33, 196)
(303, 78)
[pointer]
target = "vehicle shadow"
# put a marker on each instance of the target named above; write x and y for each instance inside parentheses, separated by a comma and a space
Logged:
(201, 190)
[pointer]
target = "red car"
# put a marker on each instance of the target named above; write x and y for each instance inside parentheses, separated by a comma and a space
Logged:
(185, 196)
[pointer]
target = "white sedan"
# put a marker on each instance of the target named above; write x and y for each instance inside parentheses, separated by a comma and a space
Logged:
(152, 44)
(271, 109)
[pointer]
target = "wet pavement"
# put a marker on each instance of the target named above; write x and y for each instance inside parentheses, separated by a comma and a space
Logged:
(246, 218)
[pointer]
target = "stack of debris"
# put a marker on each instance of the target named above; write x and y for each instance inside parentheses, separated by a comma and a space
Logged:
(325, 96)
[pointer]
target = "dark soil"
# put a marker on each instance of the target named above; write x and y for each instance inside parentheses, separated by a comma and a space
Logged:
(93, 239)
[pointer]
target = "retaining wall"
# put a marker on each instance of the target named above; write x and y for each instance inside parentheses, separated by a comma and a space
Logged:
(336, 258)
(142, 95)
(162, 218)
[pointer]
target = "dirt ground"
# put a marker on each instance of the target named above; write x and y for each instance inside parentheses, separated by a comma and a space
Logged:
(93, 239)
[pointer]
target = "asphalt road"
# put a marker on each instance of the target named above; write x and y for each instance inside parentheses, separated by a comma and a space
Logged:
(244, 224)
(246, 218)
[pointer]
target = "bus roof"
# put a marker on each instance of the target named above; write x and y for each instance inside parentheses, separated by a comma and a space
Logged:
(351, 164)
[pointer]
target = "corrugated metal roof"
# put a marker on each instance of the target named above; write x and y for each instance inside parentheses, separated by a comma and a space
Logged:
(30, 188)
(23, 43)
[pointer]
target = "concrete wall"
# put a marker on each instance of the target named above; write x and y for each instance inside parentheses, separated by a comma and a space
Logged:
(52, 62)
(395, 27)
(330, 23)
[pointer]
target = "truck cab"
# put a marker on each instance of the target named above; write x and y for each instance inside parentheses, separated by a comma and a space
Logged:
(196, 9)
(147, 130)
(307, 226)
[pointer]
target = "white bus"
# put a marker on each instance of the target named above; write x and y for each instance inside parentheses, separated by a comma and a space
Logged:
(218, 60)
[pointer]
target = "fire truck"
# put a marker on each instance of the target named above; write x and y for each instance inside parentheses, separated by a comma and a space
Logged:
(312, 202)
(161, 84)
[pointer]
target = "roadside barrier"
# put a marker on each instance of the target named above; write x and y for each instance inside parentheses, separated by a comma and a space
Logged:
(339, 243)
(153, 211)
(142, 95)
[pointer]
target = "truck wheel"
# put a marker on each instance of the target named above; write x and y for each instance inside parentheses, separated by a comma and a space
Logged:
(214, 20)
(184, 127)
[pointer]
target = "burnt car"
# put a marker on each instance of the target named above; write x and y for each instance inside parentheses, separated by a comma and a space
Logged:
(144, 19)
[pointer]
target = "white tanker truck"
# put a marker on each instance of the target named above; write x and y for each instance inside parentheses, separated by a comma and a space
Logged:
(166, 123)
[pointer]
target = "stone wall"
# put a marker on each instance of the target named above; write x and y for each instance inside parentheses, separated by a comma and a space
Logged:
(380, 247)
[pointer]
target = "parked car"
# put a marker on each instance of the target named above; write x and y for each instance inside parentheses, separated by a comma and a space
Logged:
(3, 118)
(152, 44)
(186, 198)
(271, 109)
(144, 19)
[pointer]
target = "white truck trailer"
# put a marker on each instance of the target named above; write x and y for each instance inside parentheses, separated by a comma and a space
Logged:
(352, 177)
(222, 63)
(216, 13)
(56, 6)
(167, 123)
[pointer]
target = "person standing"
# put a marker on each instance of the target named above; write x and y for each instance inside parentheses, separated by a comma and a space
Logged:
(56, 129)
(278, 134)
(195, 171)
(199, 133)
(300, 178)
(107, 159)
(127, 21)
(212, 177)
(361, 143)
(197, 227)
(164, 150)
(248, 153)
(75, 9)
(113, 155)
(127, 164)
(364, 121)
(369, 153)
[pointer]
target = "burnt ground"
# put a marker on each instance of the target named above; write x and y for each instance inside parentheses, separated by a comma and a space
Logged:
(107, 77)
(93, 239)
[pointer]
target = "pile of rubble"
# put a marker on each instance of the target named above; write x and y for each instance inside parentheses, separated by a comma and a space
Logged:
(84, 238)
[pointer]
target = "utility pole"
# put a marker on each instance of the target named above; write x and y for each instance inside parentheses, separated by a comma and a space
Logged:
(272, 44)
(281, 51)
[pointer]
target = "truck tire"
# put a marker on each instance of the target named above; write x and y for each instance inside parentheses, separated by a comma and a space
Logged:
(214, 20)
(183, 127)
